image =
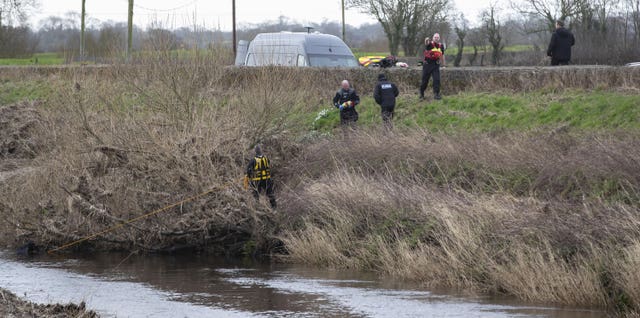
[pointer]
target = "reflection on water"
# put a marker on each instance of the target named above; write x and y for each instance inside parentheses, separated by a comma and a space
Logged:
(125, 285)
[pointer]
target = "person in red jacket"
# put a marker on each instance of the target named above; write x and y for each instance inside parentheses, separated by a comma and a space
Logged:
(433, 58)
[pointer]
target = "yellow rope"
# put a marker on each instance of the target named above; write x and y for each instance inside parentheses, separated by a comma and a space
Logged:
(117, 226)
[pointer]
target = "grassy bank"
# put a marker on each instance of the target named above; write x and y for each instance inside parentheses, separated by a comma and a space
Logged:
(486, 112)
(12, 306)
(531, 193)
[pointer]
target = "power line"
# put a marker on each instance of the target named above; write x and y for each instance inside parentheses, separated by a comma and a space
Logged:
(167, 10)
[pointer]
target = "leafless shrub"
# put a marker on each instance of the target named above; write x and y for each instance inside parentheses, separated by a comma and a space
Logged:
(135, 139)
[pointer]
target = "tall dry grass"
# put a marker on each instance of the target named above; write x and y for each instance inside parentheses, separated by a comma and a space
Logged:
(520, 214)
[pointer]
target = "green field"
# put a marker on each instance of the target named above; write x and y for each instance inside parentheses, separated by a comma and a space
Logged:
(453, 50)
(56, 59)
(36, 59)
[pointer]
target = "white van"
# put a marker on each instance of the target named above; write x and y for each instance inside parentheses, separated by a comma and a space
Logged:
(296, 49)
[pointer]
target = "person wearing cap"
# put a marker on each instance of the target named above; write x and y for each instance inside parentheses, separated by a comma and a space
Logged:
(258, 172)
(385, 94)
(346, 99)
(560, 46)
(433, 58)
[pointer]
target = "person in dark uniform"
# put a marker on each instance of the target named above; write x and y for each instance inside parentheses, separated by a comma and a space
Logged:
(385, 94)
(560, 46)
(259, 173)
(346, 99)
(433, 58)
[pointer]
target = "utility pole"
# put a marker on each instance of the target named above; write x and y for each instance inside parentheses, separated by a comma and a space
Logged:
(343, 27)
(233, 18)
(82, 27)
(130, 30)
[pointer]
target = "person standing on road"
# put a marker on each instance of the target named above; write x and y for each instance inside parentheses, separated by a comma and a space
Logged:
(560, 46)
(385, 94)
(433, 58)
(346, 99)
(259, 173)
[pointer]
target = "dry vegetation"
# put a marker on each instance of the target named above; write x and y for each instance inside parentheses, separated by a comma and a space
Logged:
(546, 215)
(14, 307)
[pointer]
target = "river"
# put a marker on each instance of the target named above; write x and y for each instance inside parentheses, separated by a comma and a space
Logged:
(131, 285)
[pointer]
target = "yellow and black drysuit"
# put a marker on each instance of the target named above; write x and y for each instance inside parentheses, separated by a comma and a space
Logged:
(259, 173)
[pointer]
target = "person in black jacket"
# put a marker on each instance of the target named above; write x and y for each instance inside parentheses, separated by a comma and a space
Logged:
(385, 94)
(259, 173)
(346, 99)
(560, 46)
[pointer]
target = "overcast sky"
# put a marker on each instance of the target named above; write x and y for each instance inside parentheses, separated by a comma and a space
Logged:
(211, 13)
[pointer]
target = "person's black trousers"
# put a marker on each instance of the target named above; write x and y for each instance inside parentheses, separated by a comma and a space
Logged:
(387, 117)
(430, 69)
(555, 62)
(264, 186)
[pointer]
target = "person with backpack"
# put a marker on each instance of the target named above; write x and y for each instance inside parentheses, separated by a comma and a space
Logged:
(433, 58)
(385, 94)
(258, 176)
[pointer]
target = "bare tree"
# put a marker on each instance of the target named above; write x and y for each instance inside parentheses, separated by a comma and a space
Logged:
(461, 28)
(594, 15)
(404, 21)
(422, 18)
(634, 10)
(17, 42)
(111, 40)
(477, 40)
(15, 10)
(493, 32)
(549, 10)
(159, 39)
(390, 14)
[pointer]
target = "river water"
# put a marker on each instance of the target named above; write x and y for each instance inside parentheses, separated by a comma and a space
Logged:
(126, 285)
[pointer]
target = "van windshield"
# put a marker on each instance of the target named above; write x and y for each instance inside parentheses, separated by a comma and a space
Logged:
(258, 59)
(332, 60)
